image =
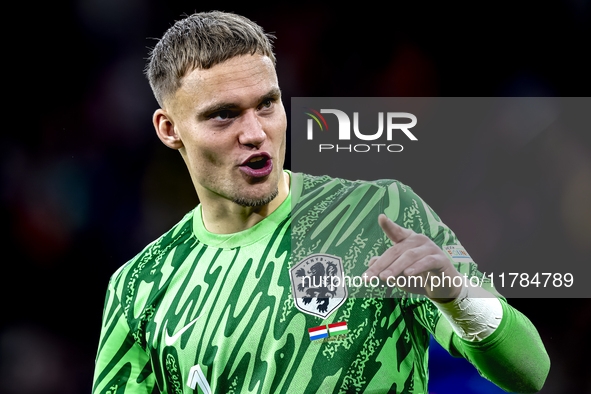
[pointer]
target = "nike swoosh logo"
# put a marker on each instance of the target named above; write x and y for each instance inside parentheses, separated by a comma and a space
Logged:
(170, 340)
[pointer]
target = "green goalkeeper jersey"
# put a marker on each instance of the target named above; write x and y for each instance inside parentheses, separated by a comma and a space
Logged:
(197, 312)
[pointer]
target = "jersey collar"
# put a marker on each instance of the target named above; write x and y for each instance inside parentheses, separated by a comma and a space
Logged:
(249, 236)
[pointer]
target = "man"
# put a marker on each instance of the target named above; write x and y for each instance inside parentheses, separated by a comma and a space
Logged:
(214, 305)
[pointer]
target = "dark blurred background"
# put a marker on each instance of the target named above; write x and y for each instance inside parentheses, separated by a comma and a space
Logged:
(85, 183)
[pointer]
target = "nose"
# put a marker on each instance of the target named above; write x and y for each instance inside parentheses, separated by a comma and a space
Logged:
(251, 130)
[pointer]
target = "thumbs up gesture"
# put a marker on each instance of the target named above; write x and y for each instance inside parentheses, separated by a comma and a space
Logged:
(415, 255)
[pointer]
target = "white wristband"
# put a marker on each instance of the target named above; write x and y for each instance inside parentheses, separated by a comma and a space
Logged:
(474, 315)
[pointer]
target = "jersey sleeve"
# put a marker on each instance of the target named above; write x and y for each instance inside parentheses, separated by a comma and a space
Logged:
(408, 210)
(513, 357)
(122, 365)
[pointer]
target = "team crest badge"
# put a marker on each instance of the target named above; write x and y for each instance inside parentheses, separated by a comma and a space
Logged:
(317, 284)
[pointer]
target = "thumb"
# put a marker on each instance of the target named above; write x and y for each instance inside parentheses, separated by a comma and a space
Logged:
(395, 232)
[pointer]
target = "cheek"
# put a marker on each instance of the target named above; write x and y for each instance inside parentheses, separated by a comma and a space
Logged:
(203, 149)
(205, 158)
(278, 125)
(213, 157)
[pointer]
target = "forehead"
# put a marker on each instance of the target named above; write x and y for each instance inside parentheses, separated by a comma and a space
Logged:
(238, 80)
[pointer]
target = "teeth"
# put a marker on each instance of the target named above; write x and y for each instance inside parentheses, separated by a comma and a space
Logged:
(254, 159)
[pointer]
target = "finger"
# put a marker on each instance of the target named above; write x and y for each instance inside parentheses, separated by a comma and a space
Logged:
(379, 263)
(395, 232)
(372, 260)
(389, 261)
(425, 264)
(406, 260)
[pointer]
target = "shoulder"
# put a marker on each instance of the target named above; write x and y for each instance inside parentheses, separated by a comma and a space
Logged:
(311, 183)
(398, 199)
(142, 265)
(325, 193)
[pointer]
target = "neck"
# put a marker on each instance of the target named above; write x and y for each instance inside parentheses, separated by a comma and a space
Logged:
(227, 217)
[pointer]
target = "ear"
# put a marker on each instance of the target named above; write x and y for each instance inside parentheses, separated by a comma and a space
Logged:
(165, 129)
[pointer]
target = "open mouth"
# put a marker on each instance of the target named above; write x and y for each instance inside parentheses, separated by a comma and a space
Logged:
(257, 166)
(257, 163)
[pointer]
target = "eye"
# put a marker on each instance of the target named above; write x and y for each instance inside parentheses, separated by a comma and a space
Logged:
(220, 115)
(266, 103)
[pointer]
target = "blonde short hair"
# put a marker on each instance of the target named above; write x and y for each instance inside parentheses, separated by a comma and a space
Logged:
(202, 40)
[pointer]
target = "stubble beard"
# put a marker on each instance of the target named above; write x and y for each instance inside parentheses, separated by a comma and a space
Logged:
(254, 203)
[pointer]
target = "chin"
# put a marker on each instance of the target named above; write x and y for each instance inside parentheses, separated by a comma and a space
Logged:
(256, 201)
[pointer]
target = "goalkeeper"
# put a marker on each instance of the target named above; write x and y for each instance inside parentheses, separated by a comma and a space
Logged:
(209, 306)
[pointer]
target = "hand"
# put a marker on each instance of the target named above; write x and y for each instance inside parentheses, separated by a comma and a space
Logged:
(415, 255)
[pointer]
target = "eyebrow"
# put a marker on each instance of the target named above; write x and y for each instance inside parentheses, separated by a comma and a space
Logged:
(274, 93)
